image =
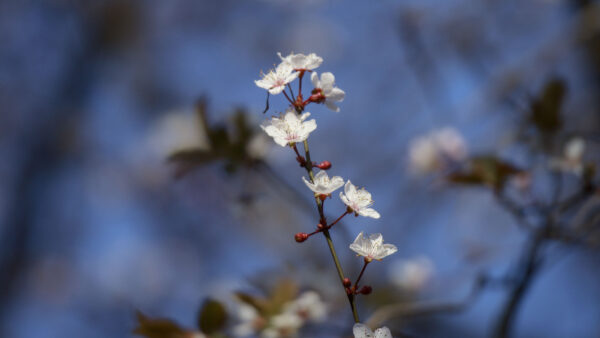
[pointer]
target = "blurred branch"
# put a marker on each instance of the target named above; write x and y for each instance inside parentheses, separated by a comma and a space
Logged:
(388, 312)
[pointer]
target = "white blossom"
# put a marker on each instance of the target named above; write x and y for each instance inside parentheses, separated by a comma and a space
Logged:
(250, 321)
(289, 128)
(436, 150)
(358, 200)
(301, 61)
(412, 274)
(276, 80)
(363, 331)
(308, 306)
(323, 185)
(284, 324)
(372, 247)
(326, 85)
(423, 155)
(572, 160)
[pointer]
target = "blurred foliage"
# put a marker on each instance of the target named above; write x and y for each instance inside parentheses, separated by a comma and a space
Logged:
(158, 327)
(545, 109)
(212, 317)
(283, 292)
(211, 322)
(227, 143)
(485, 170)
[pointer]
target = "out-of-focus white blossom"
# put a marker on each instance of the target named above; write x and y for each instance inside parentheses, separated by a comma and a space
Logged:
(359, 201)
(258, 146)
(572, 160)
(363, 331)
(412, 274)
(309, 307)
(301, 61)
(323, 185)
(250, 321)
(285, 324)
(177, 130)
(289, 128)
(327, 87)
(276, 80)
(436, 150)
(372, 247)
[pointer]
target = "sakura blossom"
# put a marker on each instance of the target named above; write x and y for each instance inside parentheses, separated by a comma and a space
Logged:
(326, 87)
(437, 150)
(308, 306)
(412, 274)
(301, 61)
(358, 200)
(363, 331)
(323, 185)
(372, 247)
(572, 159)
(276, 80)
(289, 128)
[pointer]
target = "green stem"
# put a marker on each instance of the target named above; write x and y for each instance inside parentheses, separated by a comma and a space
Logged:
(338, 266)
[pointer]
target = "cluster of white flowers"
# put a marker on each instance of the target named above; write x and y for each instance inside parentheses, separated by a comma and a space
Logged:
(437, 150)
(291, 128)
(308, 307)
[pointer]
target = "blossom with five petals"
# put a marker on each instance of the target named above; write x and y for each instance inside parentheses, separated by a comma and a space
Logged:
(289, 128)
(358, 200)
(276, 80)
(323, 185)
(372, 247)
(326, 87)
(363, 331)
(301, 61)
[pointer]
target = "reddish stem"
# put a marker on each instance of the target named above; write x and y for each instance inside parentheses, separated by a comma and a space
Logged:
(355, 287)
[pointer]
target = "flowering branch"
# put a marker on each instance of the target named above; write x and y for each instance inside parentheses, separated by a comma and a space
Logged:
(291, 128)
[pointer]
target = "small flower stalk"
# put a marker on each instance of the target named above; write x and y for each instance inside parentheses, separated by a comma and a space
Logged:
(292, 128)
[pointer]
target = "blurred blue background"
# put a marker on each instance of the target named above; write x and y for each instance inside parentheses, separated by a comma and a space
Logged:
(95, 226)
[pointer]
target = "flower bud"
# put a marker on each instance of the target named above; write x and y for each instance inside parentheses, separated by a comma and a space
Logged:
(347, 282)
(324, 165)
(320, 226)
(365, 290)
(300, 237)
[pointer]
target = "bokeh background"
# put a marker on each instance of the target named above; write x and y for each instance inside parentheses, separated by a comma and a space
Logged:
(95, 224)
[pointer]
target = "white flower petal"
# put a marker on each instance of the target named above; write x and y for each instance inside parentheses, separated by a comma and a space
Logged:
(327, 81)
(383, 332)
(332, 106)
(362, 331)
(314, 78)
(336, 94)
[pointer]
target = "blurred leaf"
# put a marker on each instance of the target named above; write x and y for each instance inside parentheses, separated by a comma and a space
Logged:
(196, 156)
(228, 143)
(257, 303)
(545, 110)
(283, 292)
(212, 317)
(157, 328)
(485, 170)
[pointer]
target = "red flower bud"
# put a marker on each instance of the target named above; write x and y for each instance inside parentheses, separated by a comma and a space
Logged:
(300, 237)
(324, 165)
(347, 282)
(365, 290)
